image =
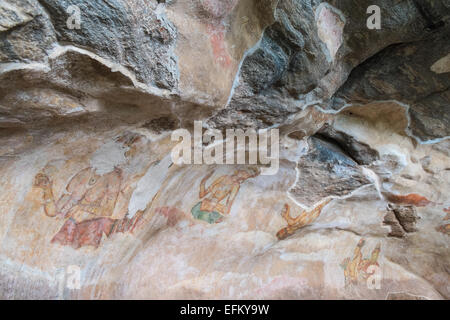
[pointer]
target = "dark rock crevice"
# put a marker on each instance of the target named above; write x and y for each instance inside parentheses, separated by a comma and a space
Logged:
(401, 219)
(360, 152)
(326, 171)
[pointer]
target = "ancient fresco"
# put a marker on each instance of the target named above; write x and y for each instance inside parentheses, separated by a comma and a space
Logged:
(88, 203)
(358, 205)
(86, 207)
(126, 194)
(302, 220)
(222, 193)
(357, 268)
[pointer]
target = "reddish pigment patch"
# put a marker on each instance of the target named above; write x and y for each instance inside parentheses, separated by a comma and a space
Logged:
(90, 232)
(217, 38)
(172, 214)
(447, 211)
(410, 199)
(218, 10)
(86, 233)
(330, 29)
(445, 229)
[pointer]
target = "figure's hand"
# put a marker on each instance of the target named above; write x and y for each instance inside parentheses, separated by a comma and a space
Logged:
(203, 190)
(285, 210)
(361, 243)
(41, 181)
(284, 233)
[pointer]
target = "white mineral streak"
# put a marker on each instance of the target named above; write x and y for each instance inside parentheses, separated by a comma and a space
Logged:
(148, 186)
(108, 156)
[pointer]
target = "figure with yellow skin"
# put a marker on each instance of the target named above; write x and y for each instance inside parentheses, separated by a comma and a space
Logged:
(87, 206)
(303, 219)
(358, 268)
(89, 202)
(88, 195)
(222, 192)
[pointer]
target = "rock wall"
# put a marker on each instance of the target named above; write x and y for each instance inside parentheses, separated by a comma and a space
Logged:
(93, 207)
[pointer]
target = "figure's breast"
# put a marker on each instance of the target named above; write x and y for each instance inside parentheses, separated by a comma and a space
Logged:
(221, 191)
(104, 186)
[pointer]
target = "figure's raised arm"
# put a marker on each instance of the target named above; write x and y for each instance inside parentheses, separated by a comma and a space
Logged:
(204, 191)
(357, 253)
(231, 198)
(286, 214)
(375, 254)
(43, 181)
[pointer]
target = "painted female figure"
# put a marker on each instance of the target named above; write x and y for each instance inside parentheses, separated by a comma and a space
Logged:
(357, 267)
(222, 192)
(88, 205)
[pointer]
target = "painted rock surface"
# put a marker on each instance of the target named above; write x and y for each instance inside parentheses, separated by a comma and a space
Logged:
(94, 205)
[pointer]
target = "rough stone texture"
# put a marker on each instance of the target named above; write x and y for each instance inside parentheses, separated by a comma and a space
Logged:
(405, 73)
(292, 67)
(326, 171)
(402, 220)
(135, 34)
(26, 34)
(87, 179)
(360, 152)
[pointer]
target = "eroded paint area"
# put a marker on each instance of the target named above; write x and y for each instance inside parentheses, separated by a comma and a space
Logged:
(358, 269)
(330, 25)
(216, 28)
